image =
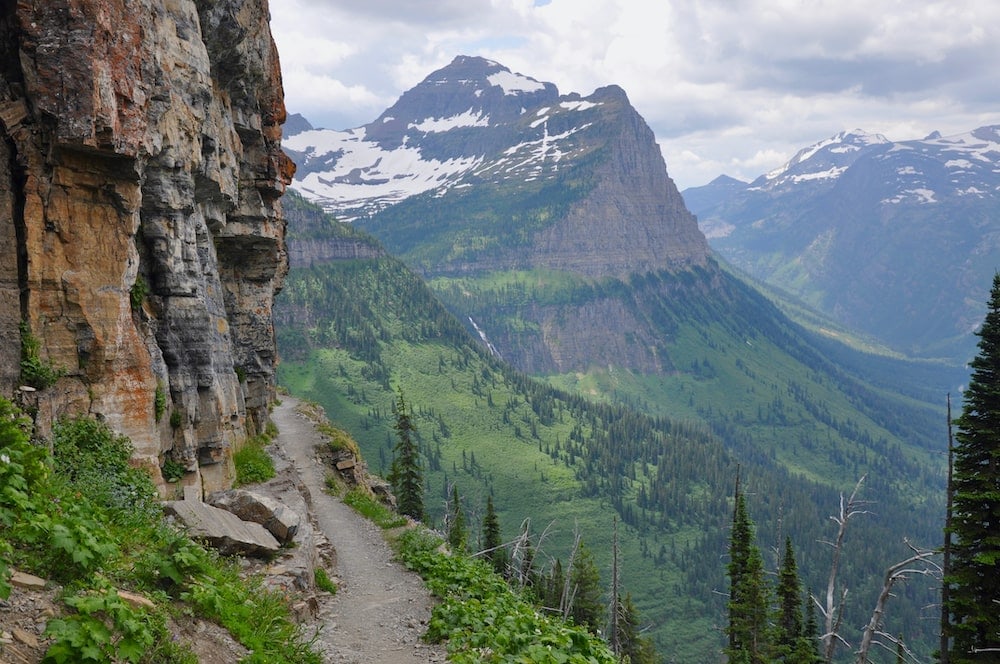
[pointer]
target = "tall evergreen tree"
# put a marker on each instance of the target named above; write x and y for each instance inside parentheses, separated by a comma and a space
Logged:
(456, 523)
(789, 593)
(974, 593)
(749, 638)
(492, 541)
(633, 645)
(406, 474)
(585, 584)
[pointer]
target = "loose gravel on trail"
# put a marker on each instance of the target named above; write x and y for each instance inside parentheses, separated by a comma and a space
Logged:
(381, 608)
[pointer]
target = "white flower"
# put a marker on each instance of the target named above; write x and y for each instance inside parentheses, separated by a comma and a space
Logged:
(4, 458)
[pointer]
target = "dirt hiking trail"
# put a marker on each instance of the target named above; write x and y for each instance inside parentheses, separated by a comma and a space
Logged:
(381, 608)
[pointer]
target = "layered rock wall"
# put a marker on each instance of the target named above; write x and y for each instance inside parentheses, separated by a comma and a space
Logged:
(141, 238)
(634, 220)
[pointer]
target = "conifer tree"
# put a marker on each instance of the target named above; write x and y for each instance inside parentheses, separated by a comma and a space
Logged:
(406, 474)
(456, 523)
(492, 541)
(585, 584)
(749, 638)
(789, 591)
(633, 646)
(811, 632)
(974, 592)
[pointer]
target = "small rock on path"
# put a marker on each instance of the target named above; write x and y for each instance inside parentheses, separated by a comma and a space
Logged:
(381, 608)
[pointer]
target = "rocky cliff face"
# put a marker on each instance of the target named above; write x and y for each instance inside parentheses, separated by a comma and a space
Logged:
(633, 220)
(141, 237)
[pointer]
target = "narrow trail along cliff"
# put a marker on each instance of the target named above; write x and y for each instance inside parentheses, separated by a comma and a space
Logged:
(381, 608)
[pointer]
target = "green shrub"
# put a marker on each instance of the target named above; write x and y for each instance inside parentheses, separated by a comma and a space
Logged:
(94, 460)
(176, 419)
(103, 629)
(77, 526)
(253, 464)
(484, 619)
(138, 292)
(339, 439)
(257, 617)
(159, 402)
(383, 516)
(34, 371)
(172, 470)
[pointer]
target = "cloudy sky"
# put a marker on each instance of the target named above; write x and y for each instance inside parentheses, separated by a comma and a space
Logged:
(728, 86)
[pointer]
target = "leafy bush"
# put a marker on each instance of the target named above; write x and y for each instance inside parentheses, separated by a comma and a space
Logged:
(159, 402)
(340, 440)
(94, 460)
(485, 620)
(34, 371)
(76, 525)
(373, 510)
(253, 464)
(256, 616)
(138, 293)
(103, 629)
(172, 470)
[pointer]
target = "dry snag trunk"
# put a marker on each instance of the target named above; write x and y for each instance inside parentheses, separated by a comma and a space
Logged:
(921, 564)
(833, 612)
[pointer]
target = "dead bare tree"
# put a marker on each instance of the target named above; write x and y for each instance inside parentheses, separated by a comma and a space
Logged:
(523, 553)
(919, 563)
(568, 595)
(833, 612)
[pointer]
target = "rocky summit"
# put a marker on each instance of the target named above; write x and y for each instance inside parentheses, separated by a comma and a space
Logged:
(896, 239)
(586, 185)
(141, 240)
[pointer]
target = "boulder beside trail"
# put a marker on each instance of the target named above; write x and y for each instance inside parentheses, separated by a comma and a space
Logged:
(221, 529)
(277, 519)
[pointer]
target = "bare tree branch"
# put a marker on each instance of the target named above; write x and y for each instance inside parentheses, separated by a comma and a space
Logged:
(901, 571)
(833, 613)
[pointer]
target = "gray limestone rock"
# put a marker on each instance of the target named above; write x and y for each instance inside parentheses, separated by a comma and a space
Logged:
(221, 529)
(277, 519)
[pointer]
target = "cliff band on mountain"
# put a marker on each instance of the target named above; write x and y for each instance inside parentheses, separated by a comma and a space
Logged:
(141, 237)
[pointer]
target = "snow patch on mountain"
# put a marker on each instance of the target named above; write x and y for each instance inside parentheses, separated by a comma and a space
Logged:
(839, 151)
(468, 119)
(578, 105)
(514, 84)
(357, 171)
(830, 173)
(918, 195)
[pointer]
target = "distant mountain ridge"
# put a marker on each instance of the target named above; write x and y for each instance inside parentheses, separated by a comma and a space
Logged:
(576, 166)
(896, 239)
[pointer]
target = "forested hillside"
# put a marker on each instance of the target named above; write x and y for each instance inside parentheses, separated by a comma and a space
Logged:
(752, 391)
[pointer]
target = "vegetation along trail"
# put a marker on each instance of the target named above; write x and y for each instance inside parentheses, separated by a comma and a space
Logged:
(381, 608)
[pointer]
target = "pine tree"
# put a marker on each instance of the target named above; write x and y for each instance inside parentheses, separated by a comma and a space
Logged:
(748, 595)
(637, 648)
(456, 523)
(585, 585)
(789, 591)
(811, 631)
(406, 474)
(974, 593)
(492, 541)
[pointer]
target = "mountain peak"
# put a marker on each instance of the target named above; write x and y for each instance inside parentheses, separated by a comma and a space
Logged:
(825, 160)
(471, 91)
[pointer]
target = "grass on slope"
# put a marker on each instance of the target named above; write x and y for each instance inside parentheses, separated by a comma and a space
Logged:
(88, 520)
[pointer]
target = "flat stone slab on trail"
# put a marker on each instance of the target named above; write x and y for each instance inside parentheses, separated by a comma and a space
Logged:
(223, 530)
(381, 609)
